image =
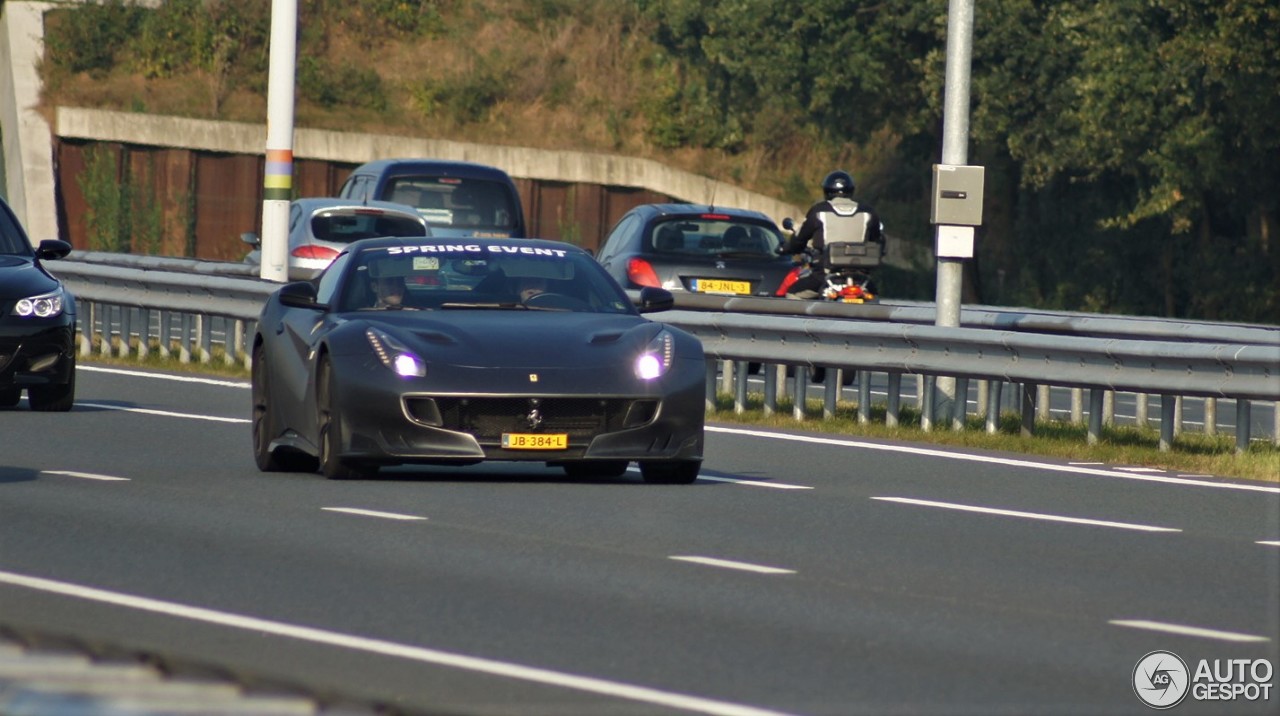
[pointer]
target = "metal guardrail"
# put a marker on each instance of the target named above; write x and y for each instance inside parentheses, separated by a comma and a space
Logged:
(1033, 349)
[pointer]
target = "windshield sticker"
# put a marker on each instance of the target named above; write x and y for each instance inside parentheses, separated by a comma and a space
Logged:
(475, 249)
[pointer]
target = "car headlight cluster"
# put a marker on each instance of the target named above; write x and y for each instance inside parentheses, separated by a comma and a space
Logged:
(395, 355)
(657, 357)
(44, 306)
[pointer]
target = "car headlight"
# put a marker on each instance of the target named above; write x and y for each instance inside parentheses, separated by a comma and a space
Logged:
(656, 359)
(395, 355)
(44, 306)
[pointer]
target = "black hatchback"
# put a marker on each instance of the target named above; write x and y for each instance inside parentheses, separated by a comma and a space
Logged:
(37, 322)
(699, 249)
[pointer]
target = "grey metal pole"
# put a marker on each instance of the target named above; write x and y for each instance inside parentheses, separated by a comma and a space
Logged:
(955, 150)
(277, 181)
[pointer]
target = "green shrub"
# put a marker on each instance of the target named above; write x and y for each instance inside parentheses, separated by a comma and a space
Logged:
(88, 38)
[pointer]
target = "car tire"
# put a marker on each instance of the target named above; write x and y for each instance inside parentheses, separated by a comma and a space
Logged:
(9, 397)
(672, 472)
(595, 468)
(329, 431)
(269, 460)
(54, 398)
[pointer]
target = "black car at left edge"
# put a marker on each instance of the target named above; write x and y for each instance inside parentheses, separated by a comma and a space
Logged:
(37, 322)
(441, 351)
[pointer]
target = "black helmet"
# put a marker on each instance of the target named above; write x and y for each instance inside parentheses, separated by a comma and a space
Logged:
(838, 183)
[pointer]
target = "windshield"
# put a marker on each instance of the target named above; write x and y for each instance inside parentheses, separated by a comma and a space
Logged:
(343, 227)
(457, 203)
(716, 235)
(11, 239)
(480, 276)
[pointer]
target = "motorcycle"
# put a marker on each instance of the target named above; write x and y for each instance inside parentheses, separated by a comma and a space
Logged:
(843, 284)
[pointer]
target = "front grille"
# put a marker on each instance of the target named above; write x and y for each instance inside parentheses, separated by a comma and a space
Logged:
(489, 418)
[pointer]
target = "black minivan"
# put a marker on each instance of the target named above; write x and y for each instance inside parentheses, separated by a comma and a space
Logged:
(458, 199)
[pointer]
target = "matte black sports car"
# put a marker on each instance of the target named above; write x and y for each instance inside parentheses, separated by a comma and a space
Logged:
(455, 351)
(698, 248)
(37, 322)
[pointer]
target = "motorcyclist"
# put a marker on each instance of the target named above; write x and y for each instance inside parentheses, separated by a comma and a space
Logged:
(833, 214)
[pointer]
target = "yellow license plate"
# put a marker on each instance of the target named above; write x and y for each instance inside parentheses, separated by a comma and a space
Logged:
(715, 285)
(535, 441)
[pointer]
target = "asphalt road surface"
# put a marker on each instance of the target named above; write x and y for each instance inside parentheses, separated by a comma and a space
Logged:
(801, 574)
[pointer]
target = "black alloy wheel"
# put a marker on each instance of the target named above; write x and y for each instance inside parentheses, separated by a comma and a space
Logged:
(670, 472)
(56, 398)
(269, 460)
(330, 431)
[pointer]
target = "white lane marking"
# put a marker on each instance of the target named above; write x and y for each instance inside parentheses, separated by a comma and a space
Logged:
(165, 376)
(387, 648)
(166, 413)
(1027, 515)
(1270, 543)
(1146, 470)
(1086, 463)
(752, 483)
(372, 513)
(85, 475)
(712, 562)
(1186, 630)
(756, 483)
(988, 459)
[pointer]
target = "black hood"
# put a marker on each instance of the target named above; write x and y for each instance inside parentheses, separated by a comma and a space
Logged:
(21, 277)
(525, 339)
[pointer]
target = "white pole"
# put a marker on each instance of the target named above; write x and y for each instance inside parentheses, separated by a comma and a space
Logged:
(955, 150)
(278, 178)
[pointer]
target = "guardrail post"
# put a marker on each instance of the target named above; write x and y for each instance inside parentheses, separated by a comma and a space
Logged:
(1144, 402)
(86, 330)
(205, 330)
(126, 331)
(961, 412)
(184, 339)
(864, 397)
(166, 330)
(831, 391)
(920, 381)
(993, 406)
(1108, 407)
(712, 374)
(105, 348)
(1042, 402)
(1177, 415)
(237, 342)
(799, 392)
(740, 387)
(144, 333)
(895, 400)
(926, 403)
(726, 377)
(1167, 433)
(1077, 406)
(770, 388)
(1028, 409)
(1095, 415)
(1211, 416)
(1275, 423)
(1243, 426)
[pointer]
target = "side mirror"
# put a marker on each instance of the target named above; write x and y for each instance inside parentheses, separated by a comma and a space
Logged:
(301, 294)
(789, 225)
(653, 299)
(251, 238)
(50, 249)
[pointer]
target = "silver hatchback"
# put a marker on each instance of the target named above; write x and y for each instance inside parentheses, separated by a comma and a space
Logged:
(321, 227)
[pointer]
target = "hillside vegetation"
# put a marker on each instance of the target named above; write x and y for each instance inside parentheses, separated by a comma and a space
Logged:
(1130, 145)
